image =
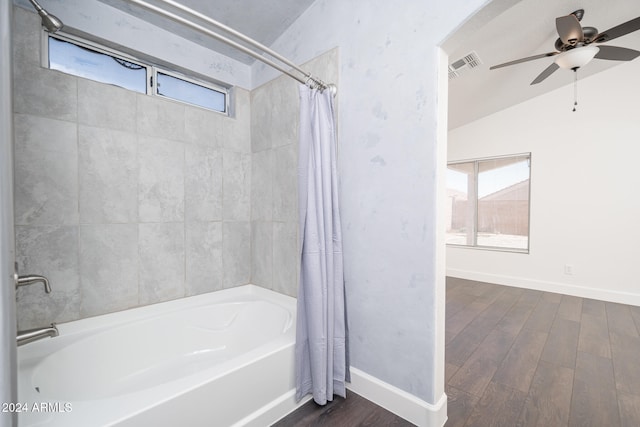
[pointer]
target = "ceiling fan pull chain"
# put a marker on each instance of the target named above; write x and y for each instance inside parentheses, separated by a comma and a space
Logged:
(575, 89)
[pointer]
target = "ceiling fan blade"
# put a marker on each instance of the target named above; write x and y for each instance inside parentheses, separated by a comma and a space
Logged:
(546, 73)
(529, 58)
(569, 29)
(615, 53)
(619, 30)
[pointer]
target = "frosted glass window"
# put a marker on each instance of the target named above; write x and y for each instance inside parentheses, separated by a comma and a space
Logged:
(489, 203)
(81, 61)
(190, 92)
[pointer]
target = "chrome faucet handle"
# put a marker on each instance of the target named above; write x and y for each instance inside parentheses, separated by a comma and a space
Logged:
(33, 278)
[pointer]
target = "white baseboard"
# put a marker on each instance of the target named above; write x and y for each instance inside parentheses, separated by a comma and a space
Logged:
(398, 401)
(540, 285)
(273, 411)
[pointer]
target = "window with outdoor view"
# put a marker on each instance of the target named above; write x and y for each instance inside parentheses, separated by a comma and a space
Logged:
(488, 203)
(83, 58)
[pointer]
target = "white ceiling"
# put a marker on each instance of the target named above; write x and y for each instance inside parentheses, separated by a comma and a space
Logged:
(263, 21)
(527, 28)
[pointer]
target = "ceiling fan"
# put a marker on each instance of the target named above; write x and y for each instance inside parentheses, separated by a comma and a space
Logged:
(576, 45)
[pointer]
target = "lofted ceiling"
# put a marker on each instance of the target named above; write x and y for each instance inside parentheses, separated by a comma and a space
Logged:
(525, 29)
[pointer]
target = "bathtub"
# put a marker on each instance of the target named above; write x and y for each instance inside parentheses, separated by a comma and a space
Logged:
(218, 359)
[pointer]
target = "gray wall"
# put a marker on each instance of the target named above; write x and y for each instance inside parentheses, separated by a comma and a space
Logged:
(122, 199)
(7, 250)
(274, 190)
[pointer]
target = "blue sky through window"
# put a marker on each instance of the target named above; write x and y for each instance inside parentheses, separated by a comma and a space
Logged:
(491, 180)
(496, 179)
(79, 61)
(192, 93)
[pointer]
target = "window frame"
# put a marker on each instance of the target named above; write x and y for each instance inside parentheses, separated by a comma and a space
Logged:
(152, 70)
(476, 169)
(193, 81)
(91, 47)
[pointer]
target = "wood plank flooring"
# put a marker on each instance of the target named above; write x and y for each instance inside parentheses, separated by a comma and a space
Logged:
(518, 357)
(354, 411)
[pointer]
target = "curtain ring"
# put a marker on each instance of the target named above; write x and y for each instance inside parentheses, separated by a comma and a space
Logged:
(309, 82)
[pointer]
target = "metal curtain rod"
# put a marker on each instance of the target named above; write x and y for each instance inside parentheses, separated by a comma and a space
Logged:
(308, 79)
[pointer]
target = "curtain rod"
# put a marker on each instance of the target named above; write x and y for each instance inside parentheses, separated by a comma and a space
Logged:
(308, 79)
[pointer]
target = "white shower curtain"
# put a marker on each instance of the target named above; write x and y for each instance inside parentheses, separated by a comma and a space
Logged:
(322, 362)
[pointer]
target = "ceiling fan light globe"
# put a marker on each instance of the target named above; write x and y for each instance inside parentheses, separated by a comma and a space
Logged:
(576, 58)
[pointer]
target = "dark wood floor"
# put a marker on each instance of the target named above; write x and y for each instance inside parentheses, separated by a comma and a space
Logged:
(354, 411)
(518, 357)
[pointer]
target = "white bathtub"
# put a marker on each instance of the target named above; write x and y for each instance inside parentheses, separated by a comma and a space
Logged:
(218, 359)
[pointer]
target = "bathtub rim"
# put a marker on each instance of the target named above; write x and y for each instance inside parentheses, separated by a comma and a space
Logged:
(69, 330)
(131, 313)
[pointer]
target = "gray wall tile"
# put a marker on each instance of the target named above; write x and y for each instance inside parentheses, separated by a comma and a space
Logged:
(274, 189)
(203, 183)
(108, 171)
(260, 119)
(203, 257)
(275, 114)
(46, 93)
(51, 251)
(160, 117)
(94, 96)
(237, 130)
(36, 90)
(161, 262)
(262, 185)
(36, 310)
(46, 171)
(161, 180)
(28, 36)
(285, 183)
(274, 203)
(203, 127)
(285, 112)
(236, 253)
(262, 253)
(236, 200)
(145, 178)
(108, 268)
(286, 265)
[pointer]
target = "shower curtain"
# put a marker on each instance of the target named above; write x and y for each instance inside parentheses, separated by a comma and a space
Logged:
(322, 361)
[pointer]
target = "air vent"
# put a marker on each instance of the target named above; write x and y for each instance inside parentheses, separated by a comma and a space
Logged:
(469, 61)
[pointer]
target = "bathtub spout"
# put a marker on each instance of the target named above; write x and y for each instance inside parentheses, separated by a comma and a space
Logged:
(30, 335)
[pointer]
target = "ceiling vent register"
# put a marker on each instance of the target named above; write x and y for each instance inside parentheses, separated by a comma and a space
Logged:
(468, 62)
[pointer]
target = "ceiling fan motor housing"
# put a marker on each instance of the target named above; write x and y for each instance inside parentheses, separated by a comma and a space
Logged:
(589, 35)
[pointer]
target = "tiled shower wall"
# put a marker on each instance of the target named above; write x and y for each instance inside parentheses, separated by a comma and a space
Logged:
(122, 199)
(274, 190)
